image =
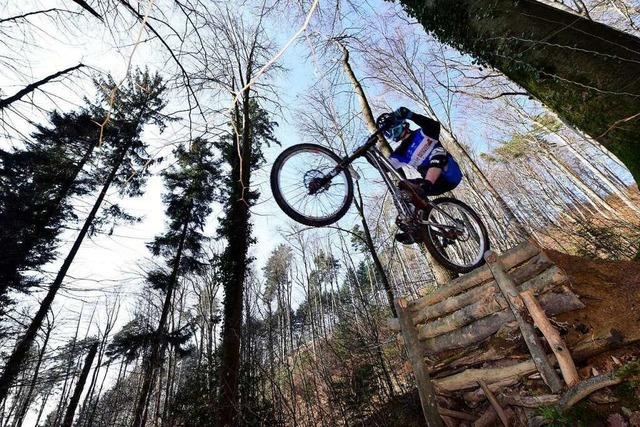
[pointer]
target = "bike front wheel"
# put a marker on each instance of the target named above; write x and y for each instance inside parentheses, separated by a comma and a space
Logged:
(308, 185)
(455, 235)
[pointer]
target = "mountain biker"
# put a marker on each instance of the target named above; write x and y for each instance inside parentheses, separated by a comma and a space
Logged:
(421, 149)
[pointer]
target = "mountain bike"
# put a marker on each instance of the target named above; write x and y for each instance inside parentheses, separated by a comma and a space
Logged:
(314, 186)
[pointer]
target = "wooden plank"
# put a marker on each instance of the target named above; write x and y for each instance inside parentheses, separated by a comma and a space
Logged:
(557, 344)
(423, 380)
(511, 258)
(512, 295)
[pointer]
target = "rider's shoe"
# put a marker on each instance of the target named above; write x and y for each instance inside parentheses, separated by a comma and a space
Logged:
(405, 238)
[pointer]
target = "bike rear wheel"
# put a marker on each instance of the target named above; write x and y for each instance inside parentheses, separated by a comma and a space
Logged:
(461, 240)
(302, 189)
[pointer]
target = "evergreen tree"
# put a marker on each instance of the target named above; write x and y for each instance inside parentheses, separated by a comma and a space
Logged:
(37, 182)
(191, 184)
(123, 159)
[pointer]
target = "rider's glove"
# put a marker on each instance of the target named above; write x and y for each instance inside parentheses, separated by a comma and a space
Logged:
(403, 113)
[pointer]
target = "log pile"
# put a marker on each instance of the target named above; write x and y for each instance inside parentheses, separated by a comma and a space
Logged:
(491, 329)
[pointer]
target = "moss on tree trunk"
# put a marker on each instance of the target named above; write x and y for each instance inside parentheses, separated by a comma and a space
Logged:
(585, 71)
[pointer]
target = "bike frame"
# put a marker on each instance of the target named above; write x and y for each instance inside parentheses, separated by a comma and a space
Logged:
(390, 177)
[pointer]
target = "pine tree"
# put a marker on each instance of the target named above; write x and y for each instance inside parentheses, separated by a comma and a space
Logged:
(191, 184)
(123, 159)
(37, 182)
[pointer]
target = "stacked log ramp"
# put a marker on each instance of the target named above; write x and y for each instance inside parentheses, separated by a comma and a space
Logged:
(489, 329)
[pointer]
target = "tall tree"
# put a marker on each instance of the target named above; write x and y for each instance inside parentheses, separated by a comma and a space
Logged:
(581, 69)
(37, 182)
(124, 113)
(191, 184)
(242, 151)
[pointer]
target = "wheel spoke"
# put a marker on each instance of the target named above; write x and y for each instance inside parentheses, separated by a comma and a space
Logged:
(303, 168)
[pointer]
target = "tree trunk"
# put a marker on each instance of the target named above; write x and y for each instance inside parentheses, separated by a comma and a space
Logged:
(27, 400)
(71, 409)
(236, 260)
(374, 254)
(440, 274)
(583, 70)
(19, 354)
(155, 358)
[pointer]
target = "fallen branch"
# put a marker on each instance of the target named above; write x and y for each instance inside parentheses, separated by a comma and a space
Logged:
(584, 388)
(512, 295)
(456, 414)
(530, 401)
(557, 344)
(494, 402)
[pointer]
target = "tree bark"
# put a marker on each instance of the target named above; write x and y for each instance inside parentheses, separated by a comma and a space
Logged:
(236, 257)
(155, 358)
(420, 371)
(583, 70)
(27, 400)
(557, 344)
(73, 403)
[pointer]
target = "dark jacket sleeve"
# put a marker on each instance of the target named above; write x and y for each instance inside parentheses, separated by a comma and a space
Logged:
(430, 127)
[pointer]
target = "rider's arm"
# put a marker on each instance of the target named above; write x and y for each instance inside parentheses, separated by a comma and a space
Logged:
(429, 127)
(437, 161)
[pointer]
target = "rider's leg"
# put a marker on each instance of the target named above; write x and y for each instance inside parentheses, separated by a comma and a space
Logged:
(425, 188)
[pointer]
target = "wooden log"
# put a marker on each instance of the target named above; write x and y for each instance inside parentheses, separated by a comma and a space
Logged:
(609, 341)
(548, 279)
(530, 269)
(481, 329)
(474, 397)
(470, 377)
(482, 308)
(423, 380)
(489, 304)
(530, 401)
(456, 414)
(511, 293)
(557, 344)
(511, 258)
(494, 402)
(585, 388)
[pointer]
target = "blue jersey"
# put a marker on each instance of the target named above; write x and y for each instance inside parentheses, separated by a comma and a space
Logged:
(421, 152)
